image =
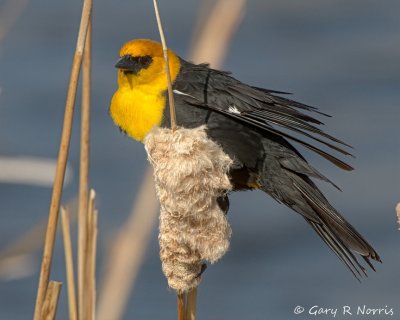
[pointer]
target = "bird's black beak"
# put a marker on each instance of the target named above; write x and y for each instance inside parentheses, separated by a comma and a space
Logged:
(126, 63)
(130, 64)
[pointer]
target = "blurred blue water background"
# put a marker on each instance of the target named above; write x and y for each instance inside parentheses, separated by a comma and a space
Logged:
(342, 56)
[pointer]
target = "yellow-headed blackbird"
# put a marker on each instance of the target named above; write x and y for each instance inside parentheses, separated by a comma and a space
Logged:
(251, 124)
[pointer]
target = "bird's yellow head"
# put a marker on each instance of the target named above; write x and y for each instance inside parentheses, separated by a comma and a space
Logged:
(139, 102)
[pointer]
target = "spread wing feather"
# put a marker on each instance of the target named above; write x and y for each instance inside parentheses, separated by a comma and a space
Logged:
(261, 108)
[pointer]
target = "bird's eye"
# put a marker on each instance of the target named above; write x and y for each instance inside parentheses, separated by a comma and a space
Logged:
(144, 61)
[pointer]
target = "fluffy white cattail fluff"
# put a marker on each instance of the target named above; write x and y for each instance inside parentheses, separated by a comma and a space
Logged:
(190, 173)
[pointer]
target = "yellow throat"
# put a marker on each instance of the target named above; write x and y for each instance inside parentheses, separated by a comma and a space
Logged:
(138, 104)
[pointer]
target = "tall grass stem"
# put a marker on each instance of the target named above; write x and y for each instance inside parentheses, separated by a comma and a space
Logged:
(69, 265)
(84, 166)
(62, 160)
(50, 302)
(171, 99)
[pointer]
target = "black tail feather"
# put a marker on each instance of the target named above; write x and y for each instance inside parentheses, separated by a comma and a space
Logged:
(340, 249)
(337, 233)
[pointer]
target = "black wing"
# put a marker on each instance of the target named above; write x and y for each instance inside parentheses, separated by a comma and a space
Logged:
(288, 182)
(203, 87)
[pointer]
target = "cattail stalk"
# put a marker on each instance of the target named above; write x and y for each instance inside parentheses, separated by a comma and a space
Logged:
(181, 304)
(191, 304)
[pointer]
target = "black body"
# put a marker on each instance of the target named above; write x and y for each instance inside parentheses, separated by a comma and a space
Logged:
(253, 126)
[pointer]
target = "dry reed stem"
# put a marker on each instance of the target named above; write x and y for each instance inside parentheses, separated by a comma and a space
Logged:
(127, 252)
(50, 302)
(191, 304)
(87, 308)
(62, 160)
(171, 104)
(91, 266)
(181, 304)
(69, 264)
(165, 50)
(84, 163)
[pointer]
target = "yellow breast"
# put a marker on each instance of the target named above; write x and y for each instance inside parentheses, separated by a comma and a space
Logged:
(136, 112)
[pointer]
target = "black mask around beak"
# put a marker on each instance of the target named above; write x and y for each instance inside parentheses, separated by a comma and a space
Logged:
(133, 64)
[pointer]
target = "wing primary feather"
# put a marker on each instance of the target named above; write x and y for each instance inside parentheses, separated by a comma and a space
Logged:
(292, 102)
(261, 125)
(271, 91)
(339, 163)
(253, 99)
(298, 123)
(309, 136)
(270, 111)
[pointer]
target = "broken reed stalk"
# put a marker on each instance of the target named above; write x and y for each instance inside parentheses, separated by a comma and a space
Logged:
(92, 266)
(87, 310)
(62, 160)
(69, 265)
(165, 50)
(50, 302)
(84, 165)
